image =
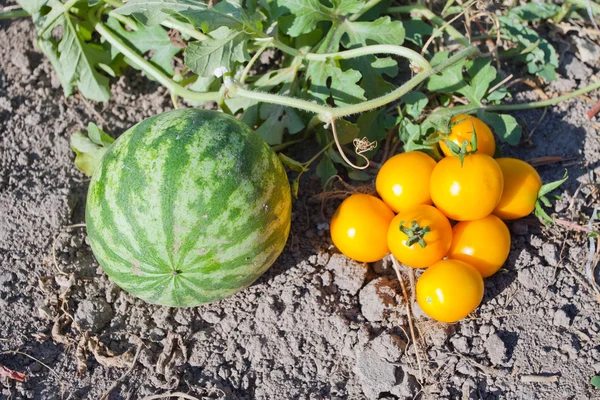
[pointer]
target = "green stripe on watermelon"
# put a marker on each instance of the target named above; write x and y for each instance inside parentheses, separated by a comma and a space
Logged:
(188, 207)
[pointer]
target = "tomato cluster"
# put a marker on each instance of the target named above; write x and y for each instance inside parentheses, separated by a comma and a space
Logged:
(445, 216)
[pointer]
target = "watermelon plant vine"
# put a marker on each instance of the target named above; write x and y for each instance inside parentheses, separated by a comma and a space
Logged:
(348, 71)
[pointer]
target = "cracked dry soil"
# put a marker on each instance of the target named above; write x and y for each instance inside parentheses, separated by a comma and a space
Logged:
(317, 325)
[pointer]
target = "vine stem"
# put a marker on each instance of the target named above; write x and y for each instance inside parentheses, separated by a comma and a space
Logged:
(147, 67)
(469, 108)
(420, 10)
(327, 113)
(339, 147)
(13, 14)
(401, 51)
(253, 60)
(585, 4)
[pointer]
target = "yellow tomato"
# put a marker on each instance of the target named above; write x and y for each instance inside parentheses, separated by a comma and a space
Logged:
(461, 129)
(403, 180)
(483, 243)
(427, 224)
(449, 290)
(521, 186)
(359, 227)
(466, 192)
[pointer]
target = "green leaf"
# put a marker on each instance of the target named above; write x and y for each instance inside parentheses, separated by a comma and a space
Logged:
(307, 13)
(223, 49)
(548, 187)
(345, 7)
(542, 215)
(226, 13)
(346, 131)
(32, 6)
(482, 75)
(534, 11)
(277, 119)
(504, 126)
(596, 382)
(75, 61)
(536, 52)
(328, 80)
(98, 136)
(381, 31)
(89, 150)
(415, 103)
(372, 70)
(359, 175)
(153, 38)
(416, 30)
(291, 163)
(325, 170)
(450, 80)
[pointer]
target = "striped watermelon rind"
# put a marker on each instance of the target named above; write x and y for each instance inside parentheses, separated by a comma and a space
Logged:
(188, 207)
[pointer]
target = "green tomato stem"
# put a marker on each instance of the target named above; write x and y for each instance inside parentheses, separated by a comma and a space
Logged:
(147, 67)
(13, 14)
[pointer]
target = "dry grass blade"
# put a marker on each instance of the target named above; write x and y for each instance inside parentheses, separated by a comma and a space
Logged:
(409, 316)
(169, 395)
(539, 378)
(58, 378)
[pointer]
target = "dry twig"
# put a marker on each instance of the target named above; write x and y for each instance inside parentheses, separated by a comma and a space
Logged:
(408, 315)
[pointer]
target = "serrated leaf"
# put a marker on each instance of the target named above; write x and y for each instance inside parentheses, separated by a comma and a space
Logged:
(535, 51)
(372, 70)
(416, 30)
(504, 126)
(328, 80)
(75, 60)
(596, 382)
(307, 13)
(534, 11)
(548, 187)
(381, 31)
(415, 103)
(148, 38)
(325, 170)
(224, 48)
(450, 80)
(277, 119)
(291, 163)
(345, 7)
(226, 13)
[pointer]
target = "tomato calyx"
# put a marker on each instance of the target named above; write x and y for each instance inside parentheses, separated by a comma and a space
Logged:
(462, 151)
(542, 200)
(415, 233)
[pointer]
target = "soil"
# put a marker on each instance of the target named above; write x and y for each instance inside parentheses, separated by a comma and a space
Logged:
(317, 325)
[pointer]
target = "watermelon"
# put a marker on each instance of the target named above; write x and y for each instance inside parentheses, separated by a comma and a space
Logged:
(188, 207)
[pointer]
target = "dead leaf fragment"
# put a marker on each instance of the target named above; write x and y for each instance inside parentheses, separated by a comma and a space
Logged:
(17, 376)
